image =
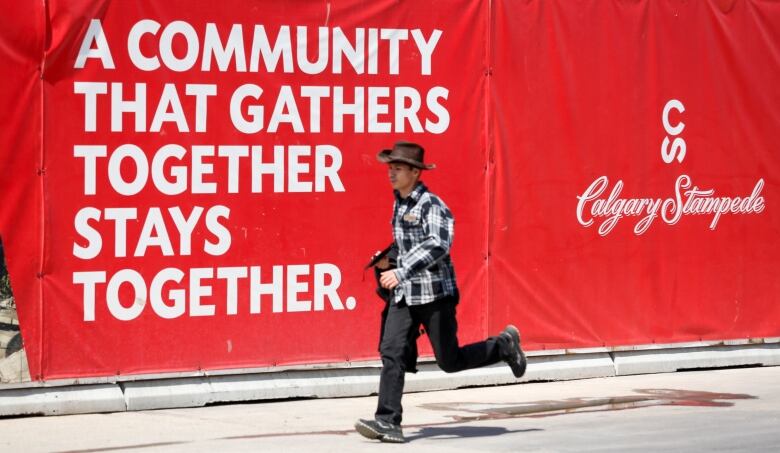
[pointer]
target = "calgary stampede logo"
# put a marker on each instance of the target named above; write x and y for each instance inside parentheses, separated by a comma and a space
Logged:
(596, 202)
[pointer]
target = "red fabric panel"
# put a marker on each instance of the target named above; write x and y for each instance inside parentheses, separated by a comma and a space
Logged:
(579, 91)
(339, 228)
(22, 34)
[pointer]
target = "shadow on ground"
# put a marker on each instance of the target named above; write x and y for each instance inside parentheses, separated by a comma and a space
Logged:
(454, 432)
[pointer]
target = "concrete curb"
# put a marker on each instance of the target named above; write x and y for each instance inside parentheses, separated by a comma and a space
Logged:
(362, 381)
(144, 395)
(62, 400)
(671, 360)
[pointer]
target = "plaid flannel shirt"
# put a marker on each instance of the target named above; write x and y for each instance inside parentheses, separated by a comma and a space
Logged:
(423, 229)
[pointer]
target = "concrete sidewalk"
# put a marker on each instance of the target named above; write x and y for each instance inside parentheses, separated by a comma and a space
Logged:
(728, 410)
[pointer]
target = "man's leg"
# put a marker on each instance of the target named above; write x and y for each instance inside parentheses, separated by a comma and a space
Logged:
(440, 323)
(397, 337)
(394, 347)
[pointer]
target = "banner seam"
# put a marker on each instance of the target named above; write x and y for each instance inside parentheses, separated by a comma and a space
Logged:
(488, 143)
(42, 175)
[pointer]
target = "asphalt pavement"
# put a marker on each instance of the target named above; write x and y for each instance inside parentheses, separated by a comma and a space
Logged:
(715, 410)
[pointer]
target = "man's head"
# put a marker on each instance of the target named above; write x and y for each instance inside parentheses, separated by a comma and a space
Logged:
(403, 176)
(405, 164)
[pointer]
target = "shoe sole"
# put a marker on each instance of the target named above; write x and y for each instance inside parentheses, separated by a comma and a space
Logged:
(366, 431)
(391, 440)
(370, 433)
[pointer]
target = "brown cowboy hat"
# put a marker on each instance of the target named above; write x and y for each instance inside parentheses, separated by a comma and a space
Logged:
(407, 153)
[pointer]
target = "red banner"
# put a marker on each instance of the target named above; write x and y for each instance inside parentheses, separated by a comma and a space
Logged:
(636, 171)
(192, 186)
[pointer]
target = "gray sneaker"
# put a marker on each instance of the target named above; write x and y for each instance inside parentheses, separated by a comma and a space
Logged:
(512, 353)
(383, 431)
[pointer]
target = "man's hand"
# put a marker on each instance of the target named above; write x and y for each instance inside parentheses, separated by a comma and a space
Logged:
(388, 280)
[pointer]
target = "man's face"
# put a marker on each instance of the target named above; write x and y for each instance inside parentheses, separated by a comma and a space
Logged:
(402, 176)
